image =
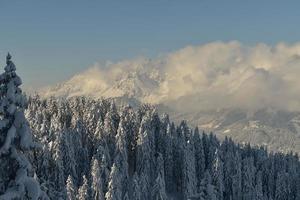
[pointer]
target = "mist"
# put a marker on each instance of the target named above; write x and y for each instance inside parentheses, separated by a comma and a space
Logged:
(216, 75)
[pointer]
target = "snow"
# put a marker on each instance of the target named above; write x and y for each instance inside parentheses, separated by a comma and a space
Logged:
(32, 188)
(227, 131)
(3, 123)
(17, 81)
(11, 134)
(11, 90)
(11, 109)
(26, 139)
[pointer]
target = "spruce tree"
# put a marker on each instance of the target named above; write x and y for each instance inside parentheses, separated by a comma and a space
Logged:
(71, 189)
(136, 190)
(83, 191)
(16, 173)
(159, 188)
(97, 188)
(189, 170)
(169, 163)
(218, 175)
(114, 186)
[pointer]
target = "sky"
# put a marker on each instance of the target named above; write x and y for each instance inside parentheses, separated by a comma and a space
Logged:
(52, 40)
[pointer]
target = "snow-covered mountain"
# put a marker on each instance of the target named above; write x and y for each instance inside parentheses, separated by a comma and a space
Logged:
(248, 93)
(279, 130)
(140, 82)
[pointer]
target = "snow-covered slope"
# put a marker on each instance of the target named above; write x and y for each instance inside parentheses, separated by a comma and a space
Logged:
(278, 130)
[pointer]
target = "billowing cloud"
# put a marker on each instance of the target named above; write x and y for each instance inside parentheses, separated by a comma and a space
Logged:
(215, 75)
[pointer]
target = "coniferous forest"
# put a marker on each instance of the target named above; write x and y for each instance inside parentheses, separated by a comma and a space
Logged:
(89, 149)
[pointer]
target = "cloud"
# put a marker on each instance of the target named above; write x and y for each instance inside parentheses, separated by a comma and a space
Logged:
(214, 75)
(225, 75)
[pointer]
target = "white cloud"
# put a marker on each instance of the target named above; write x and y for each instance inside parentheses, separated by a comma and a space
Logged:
(214, 75)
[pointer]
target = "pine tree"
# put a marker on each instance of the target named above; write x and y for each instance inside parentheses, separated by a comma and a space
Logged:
(282, 189)
(159, 188)
(144, 186)
(207, 190)
(248, 174)
(59, 151)
(169, 163)
(119, 173)
(199, 157)
(102, 155)
(178, 152)
(110, 128)
(97, 188)
(136, 190)
(114, 186)
(83, 191)
(258, 187)
(144, 155)
(158, 191)
(236, 175)
(71, 189)
(218, 175)
(189, 170)
(16, 181)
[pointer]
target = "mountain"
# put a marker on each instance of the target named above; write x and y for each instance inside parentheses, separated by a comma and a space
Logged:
(277, 129)
(139, 83)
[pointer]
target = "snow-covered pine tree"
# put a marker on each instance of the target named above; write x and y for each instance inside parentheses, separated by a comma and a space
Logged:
(169, 163)
(189, 170)
(248, 176)
(218, 175)
(136, 190)
(207, 190)
(110, 128)
(258, 188)
(117, 186)
(144, 155)
(59, 172)
(16, 173)
(114, 186)
(97, 188)
(102, 155)
(178, 153)
(236, 184)
(199, 156)
(83, 191)
(158, 191)
(71, 189)
(282, 191)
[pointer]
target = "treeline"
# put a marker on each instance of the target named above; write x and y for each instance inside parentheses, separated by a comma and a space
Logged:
(93, 150)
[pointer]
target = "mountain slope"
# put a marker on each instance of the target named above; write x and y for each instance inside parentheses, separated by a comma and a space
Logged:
(279, 130)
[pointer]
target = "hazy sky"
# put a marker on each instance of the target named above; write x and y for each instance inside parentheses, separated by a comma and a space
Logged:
(53, 40)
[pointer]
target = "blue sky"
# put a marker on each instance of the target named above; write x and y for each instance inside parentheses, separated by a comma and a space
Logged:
(53, 40)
